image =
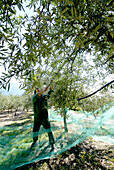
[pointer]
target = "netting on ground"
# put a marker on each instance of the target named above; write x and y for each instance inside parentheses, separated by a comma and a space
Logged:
(15, 141)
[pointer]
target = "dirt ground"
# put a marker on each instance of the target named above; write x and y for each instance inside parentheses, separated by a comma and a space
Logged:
(88, 155)
(10, 118)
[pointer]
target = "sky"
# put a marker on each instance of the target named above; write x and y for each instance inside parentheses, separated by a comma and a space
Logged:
(14, 86)
(14, 90)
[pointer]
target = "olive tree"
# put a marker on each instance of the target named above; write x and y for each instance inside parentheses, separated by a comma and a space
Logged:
(56, 31)
(56, 42)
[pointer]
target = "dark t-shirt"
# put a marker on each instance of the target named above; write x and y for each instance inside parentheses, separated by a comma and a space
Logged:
(39, 105)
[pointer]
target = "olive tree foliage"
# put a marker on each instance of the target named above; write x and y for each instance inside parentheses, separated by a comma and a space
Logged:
(55, 43)
(6, 102)
(67, 88)
(10, 103)
(15, 103)
(96, 102)
(27, 102)
(10, 26)
(57, 32)
(3, 103)
(8, 21)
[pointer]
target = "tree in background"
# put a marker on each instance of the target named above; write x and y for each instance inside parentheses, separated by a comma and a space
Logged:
(17, 103)
(65, 95)
(97, 101)
(9, 104)
(3, 103)
(27, 101)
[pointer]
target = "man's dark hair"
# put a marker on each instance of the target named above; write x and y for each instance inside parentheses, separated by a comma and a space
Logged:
(34, 91)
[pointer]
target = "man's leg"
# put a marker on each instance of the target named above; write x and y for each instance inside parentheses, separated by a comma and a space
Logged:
(35, 133)
(46, 125)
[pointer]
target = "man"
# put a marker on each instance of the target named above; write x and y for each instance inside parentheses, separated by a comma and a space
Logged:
(41, 115)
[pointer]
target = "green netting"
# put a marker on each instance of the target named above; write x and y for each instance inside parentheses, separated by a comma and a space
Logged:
(16, 140)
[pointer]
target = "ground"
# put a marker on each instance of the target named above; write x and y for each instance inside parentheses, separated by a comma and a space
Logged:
(87, 155)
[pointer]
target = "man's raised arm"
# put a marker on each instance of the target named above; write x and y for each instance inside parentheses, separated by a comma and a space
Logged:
(40, 93)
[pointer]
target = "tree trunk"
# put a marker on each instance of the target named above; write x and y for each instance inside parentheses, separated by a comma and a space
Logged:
(65, 122)
(15, 112)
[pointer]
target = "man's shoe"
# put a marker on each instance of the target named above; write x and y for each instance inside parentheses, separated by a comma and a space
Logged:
(33, 144)
(52, 148)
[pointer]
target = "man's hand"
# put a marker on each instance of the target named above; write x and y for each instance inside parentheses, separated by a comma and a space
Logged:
(51, 87)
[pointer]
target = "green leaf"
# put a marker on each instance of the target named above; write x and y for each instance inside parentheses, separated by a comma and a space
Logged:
(4, 50)
(75, 12)
(12, 11)
(8, 86)
(96, 29)
(109, 18)
(111, 33)
(70, 2)
(28, 92)
(72, 11)
(64, 10)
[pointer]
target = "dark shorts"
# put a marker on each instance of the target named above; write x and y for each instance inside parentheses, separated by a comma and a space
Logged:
(42, 120)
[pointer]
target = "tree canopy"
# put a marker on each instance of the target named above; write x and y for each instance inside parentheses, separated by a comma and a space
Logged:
(56, 40)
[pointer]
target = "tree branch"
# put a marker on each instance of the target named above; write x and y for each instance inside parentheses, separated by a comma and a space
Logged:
(96, 91)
